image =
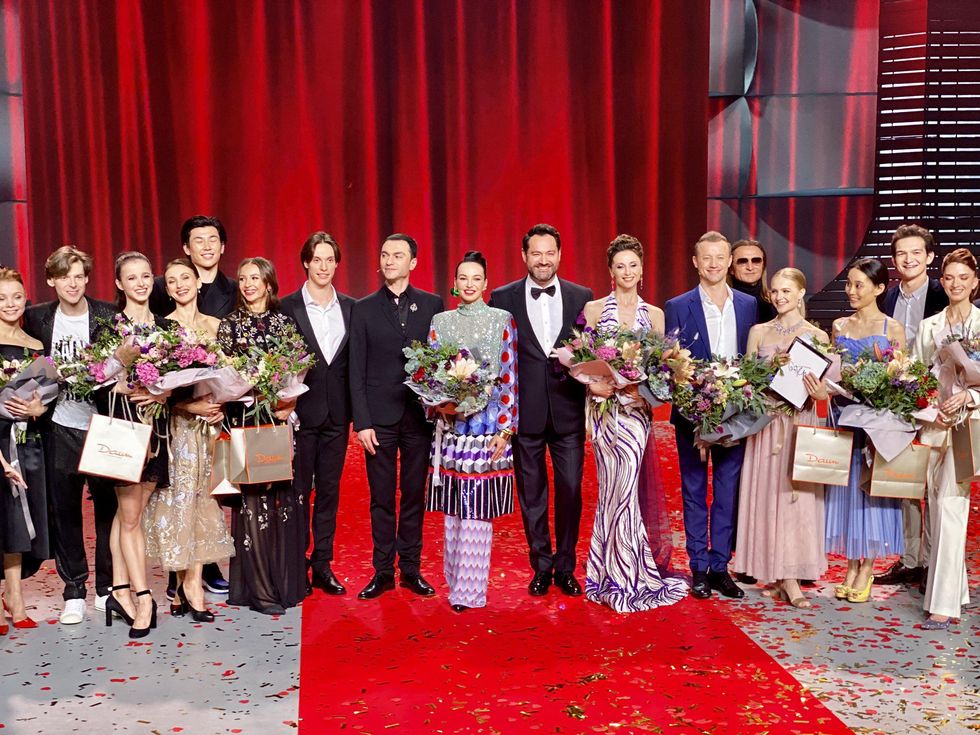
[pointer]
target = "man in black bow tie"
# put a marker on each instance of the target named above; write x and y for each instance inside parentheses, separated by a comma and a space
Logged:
(551, 409)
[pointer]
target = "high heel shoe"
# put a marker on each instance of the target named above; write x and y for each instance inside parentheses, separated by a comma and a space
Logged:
(856, 595)
(143, 632)
(178, 609)
(112, 605)
(198, 616)
(24, 624)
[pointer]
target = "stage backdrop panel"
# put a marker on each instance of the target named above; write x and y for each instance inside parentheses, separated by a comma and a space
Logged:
(461, 123)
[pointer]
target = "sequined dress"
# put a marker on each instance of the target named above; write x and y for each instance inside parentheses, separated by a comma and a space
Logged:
(621, 571)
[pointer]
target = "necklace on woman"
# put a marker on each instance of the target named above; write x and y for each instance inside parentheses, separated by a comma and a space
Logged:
(780, 329)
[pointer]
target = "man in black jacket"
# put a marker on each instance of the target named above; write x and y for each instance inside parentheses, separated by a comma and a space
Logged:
(551, 409)
(388, 417)
(63, 326)
(323, 316)
(915, 297)
(203, 239)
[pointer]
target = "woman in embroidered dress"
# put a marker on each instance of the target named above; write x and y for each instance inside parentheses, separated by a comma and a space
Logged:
(476, 466)
(780, 523)
(623, 570)
(184, 525)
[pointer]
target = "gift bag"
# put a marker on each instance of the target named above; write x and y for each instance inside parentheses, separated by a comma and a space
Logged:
(268, 452)
(903, 477)
(966, 450)
(115, 448)
(222, 477)
(822, 455)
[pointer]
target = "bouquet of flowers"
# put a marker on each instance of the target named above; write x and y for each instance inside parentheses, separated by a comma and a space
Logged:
(275, 372)
(81, 369)
(23, 378)
(448, 375)
(957, 365)
(592, 355)
(725, 399)
(893, 390)
(667, 365)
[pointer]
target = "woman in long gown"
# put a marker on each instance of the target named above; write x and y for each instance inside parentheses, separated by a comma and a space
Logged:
(859, 526)
(947, 587)
(781, 523)
(23, 517)
(184, 525)
(622, 571)
(268, 570)
(476, 464)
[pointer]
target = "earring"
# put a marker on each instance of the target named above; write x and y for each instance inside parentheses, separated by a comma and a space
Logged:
(454, 292)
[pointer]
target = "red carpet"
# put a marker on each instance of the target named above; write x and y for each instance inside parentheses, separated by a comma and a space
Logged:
(523, 664)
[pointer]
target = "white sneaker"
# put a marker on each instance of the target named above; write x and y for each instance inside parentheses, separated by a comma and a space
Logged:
(100, 602)
(74, 612)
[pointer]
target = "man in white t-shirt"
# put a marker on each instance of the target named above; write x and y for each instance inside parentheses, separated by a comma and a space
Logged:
(64, 325)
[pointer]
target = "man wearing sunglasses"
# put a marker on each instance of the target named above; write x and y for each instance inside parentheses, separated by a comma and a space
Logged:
(748, 275)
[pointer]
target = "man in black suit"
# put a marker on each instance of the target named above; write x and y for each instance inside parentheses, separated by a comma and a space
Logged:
(323, 316)
(915, 297)
(388, 417)
(551, 409)
(203, 239)
(64, 326)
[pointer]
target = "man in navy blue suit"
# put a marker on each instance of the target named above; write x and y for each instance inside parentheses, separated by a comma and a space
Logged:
(710, 319)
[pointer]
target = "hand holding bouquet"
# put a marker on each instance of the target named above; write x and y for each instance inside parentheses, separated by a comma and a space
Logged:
(276, 371)
(613, 356)
(448, 378)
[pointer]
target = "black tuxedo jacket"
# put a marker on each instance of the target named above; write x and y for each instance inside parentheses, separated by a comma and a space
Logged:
(936, 299)
(39, 320)
(328, 400)
(543, 386)
(217, 299)
(379, 396)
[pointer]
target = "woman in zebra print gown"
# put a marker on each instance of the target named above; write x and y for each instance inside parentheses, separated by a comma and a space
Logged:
(622, 570)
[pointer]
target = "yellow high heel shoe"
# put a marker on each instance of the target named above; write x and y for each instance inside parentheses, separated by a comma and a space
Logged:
(841, 591)
(861, 595)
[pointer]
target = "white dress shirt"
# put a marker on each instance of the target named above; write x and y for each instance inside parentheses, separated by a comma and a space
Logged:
(910, 309)
(328, 323)
(544, 313)
(722, 327)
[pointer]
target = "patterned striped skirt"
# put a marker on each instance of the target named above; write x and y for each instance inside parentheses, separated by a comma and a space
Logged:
(470, 486)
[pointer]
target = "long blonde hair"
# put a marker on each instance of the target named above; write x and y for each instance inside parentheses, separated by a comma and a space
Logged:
(796, 276)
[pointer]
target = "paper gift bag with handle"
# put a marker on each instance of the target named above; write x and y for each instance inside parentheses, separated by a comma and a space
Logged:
(966, 450)
(822, 455)
(222, 477)
(115, 448)
(903, 477)
(268, 452)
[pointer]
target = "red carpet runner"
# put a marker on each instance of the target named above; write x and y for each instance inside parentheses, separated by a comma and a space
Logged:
(540, 665)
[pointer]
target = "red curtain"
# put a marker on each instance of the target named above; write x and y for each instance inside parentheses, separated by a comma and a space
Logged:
(459, 122)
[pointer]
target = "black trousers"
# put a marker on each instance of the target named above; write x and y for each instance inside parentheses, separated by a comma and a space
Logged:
(567, 460)
(402, 459)
(62, 450)
(319, 463)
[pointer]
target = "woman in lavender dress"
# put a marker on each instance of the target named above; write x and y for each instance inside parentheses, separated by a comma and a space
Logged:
(622, 570)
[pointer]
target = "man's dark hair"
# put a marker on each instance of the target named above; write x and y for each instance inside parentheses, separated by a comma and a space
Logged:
(309, 247)
(541, 229)
(201, 220)
(413, 247)
(913, 230)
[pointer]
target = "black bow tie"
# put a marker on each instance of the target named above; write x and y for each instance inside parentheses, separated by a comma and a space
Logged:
(536, 292)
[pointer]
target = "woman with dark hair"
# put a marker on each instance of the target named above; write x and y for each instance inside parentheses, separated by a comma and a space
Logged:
(476, 466)
(748, 275)
(268, 571)
(134, 282)
(184, 525)
(24, 516)
(859, 526)
(629, 556)
(947, 588)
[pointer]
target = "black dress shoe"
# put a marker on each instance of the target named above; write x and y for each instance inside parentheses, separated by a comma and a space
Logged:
(539, 584)
(923, 579)
(380, 582)
(700, 588)
(726, 585)
(273, 609)
(566, 582)
(746, 578)
(898, 573)
(459, 608)
(417, 584)
(327, 582)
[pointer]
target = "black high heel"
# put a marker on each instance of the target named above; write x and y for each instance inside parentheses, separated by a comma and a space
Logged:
(142, 632)
(112, 605)
(178, 609)
(198, 616)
